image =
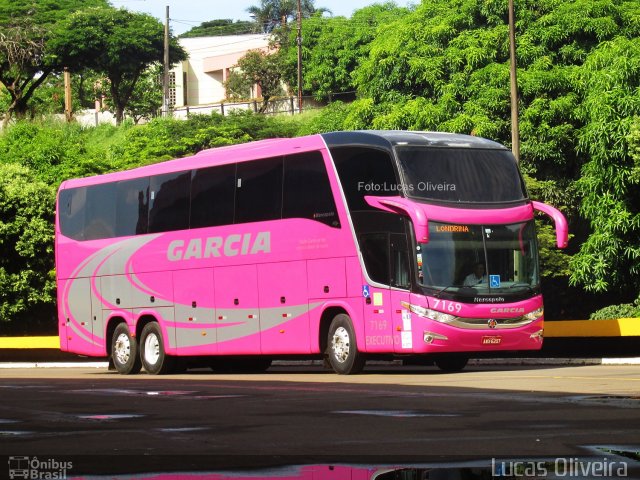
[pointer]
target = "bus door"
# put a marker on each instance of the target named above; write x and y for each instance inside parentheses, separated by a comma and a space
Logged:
(400, 281)
(377, 296)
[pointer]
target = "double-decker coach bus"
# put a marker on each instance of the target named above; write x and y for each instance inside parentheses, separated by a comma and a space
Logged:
(345, 245)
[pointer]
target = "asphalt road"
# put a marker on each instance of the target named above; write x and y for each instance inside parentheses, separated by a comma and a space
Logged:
(199, 421)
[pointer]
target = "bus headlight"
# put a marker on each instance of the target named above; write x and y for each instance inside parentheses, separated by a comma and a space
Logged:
(428, 313)
(535, 315)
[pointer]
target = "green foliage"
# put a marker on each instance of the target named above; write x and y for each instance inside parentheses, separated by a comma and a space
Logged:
(329, 119)
(216, 28)
(55, 151)
(146, 98)
(25, 32)
(119, 44)
(27, 280)
(332, 48)
(609, 183)
(258, 68)
(623, 310)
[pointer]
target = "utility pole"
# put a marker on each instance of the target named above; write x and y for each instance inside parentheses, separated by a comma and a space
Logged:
(299, 41)
(515, 128)
(165, 78)
(68, 108)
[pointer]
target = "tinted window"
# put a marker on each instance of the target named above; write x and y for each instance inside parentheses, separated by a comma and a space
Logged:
(100, 217)
(259, 190)
(461, 174)
(307, 192)
(364, 171)
(375, 253)
(132, 210)
(169, 200)
(71, 209)
(212, 196)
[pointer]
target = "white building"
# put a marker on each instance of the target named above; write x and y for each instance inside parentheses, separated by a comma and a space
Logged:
(199, 80)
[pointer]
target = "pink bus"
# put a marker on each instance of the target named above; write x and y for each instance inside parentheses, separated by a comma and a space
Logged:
(344, 246)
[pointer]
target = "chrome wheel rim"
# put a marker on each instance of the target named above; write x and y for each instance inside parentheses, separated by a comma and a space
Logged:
(151, 349)
(340, 344)
(122, 348)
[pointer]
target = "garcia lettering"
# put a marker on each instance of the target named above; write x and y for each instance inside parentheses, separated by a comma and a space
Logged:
(229, 246)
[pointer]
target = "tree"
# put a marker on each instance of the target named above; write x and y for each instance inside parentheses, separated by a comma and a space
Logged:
(119, 44)
(25, 30)
(262, 69)
(216, 28)
(333, 48)
(272, 14)
(610, 138)
(146, 99)
(27, 280)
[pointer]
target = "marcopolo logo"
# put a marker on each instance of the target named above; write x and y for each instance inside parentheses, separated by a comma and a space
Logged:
(34, 468)
(229, 246)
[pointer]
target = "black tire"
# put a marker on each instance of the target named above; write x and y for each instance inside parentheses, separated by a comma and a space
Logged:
(342, 351)
(451, 364)
(154, 359)
(124, 351)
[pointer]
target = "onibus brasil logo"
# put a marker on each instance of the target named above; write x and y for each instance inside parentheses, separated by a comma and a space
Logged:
(33, 468)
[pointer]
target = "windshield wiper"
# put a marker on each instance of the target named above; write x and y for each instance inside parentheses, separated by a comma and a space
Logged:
(521, 285)
(437, 294)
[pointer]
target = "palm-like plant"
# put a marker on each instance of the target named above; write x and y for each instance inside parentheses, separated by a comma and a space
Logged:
(278, 13)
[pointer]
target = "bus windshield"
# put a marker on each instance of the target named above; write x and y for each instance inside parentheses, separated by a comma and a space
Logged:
(460, 174)
(479, 259)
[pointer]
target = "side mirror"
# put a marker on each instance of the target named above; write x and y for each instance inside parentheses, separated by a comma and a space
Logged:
(562, 228)
(403, 206)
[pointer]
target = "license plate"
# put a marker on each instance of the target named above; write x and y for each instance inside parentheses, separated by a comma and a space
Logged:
(491, 340)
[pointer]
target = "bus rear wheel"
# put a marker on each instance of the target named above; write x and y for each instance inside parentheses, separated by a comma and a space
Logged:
(154, 359)
(342, 351)
(124, 351)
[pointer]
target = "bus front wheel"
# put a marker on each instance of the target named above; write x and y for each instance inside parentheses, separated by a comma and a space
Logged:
(154, 359)
(124, 351)
(451, 364)
(342, 350)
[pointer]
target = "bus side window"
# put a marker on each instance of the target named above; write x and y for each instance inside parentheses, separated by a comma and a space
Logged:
(375, 254)
(212, 196)
(100, 216)
(259, 190)
(364, 171)
(169, 202)
(132, 207)
(307, 191)
(71, 210)
(400, 273)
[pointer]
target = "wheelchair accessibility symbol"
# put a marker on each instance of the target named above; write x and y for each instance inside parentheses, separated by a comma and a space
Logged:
(494, 281)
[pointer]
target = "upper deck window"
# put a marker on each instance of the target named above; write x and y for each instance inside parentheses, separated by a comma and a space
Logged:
(460, 174)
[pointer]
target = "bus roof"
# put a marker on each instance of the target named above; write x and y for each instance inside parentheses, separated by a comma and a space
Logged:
(388, 138)
(287, 146)
(210, 157)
